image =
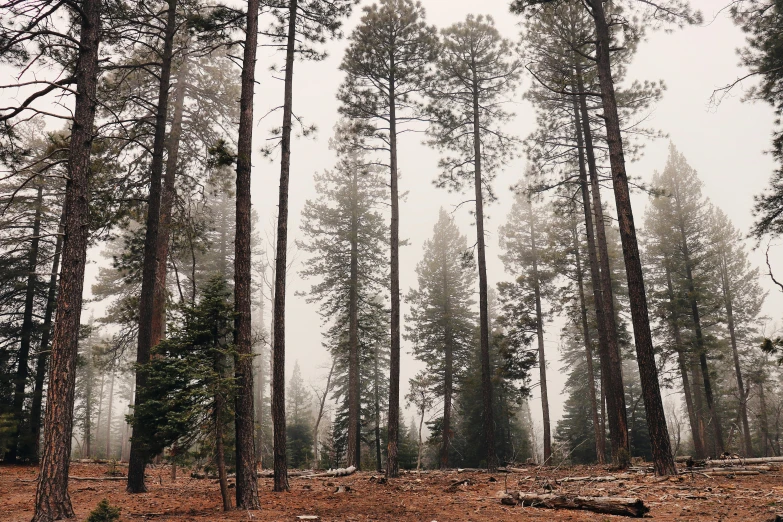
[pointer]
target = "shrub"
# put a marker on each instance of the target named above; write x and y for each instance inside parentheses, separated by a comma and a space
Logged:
(104, 512)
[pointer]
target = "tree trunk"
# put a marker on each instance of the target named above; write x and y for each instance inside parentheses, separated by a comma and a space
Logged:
(220, 454)
(448, 385)
(486, 371)
(764, 421)
(138, 456)
(700, 348)
(87, 435)
(612, 373)
(261, 387)
(645, 353)
(108, 417)
(698, 397)
(693, 418)
(743, 405)
(52, 501)
(124, 442)
(698, 442)
(354, 449)
(421, 426)
(166, 205)
(278, 377)
(22, 365)
(595, 278)
(246, 478)
(377, 400)
(392, 463)
(533, 440)
(599, 436)
(100, 409)
(43, 349)
(540, 337)
(320, 416)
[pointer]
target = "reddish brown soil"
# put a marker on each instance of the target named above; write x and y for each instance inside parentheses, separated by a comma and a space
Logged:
(420, 498)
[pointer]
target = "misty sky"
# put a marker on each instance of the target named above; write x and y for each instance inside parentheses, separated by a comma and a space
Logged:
(725, 144)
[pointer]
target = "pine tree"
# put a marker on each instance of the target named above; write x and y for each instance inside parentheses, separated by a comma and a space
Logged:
(189, 389)
(522, 241)
(654, 11)
(29, 241)
(510, 363)
(247, 490)
(421, 396)
(305, 22)
(742, 302)
(24, 43)
(386, 65)
(299, 422)
(138, 460)
(763, 56)
(681, 222)
(345, 233)
(475, 71)
(576, 428)
(442, 321)
(566, 254)
(567, 106)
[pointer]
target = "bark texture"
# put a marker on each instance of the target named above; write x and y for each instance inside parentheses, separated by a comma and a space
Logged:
(166, 206)
(278, 350)
(645, 354)
(52, 501)
(246, 479)
(392, 463)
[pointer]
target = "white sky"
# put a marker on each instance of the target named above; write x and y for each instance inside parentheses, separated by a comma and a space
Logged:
(725, 144)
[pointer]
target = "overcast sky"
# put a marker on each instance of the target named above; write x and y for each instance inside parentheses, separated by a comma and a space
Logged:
(726, 145)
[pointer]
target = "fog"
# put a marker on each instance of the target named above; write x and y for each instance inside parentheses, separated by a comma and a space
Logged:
(726, 143)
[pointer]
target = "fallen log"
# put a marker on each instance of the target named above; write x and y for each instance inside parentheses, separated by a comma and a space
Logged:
(629, 507)
(726, 472)
(742, 461)
(291, 474)
(735, 468)
(339, 472)
(98, 478)
(608, 478)
(454, 487)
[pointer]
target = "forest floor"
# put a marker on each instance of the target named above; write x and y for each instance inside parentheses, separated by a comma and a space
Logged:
(422, 497)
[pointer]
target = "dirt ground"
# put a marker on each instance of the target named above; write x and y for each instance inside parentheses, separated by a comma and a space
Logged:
(413, 497)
